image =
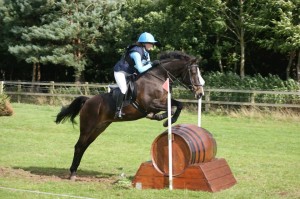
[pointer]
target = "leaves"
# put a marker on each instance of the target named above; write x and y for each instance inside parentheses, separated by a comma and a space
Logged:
(65, 36)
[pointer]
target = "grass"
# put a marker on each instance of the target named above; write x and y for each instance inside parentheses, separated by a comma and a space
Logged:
(35, 154)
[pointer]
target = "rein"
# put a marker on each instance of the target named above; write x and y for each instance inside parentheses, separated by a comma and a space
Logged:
(173, 78)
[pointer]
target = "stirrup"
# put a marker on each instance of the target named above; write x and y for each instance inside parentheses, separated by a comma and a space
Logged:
(119, 114)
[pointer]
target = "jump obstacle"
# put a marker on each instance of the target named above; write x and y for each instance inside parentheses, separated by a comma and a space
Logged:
(184, 157)
(195, 166)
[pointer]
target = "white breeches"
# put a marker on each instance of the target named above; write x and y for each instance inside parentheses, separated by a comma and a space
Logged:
(120, 78)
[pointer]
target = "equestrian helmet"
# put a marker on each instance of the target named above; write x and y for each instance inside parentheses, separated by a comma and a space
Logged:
(146, 38)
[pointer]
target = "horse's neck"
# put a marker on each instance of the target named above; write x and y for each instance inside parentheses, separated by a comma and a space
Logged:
(169, 68)
(173, 68)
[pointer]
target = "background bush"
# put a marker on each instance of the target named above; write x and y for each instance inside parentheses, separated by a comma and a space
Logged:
(5, 106)
(217, 80)
(257, 82)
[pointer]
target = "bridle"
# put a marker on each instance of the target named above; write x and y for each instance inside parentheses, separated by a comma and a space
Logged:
(172, 78)
(193, 83)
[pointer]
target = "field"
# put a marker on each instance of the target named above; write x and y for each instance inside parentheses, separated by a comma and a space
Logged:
(35, 154)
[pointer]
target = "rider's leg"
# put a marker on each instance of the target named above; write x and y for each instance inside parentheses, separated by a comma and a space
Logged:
(119, 104)
(120, 78)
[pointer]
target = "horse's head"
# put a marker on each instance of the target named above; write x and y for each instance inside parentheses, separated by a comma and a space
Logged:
(185, 67)
(191, 78)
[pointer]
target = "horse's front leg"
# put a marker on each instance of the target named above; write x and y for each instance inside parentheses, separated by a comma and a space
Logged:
(158, 105)
(159, 117)
(176, 113)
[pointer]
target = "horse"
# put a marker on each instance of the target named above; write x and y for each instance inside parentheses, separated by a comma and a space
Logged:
(98, 112)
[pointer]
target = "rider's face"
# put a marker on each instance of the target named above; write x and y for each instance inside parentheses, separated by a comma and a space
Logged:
(149, 46)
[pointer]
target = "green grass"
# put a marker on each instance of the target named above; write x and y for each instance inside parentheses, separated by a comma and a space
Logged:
(35, 154)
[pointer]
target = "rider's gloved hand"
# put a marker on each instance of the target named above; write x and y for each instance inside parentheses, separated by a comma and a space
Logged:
(155, 63)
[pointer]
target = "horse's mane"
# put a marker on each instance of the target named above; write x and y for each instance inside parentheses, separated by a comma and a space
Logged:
(175, 55)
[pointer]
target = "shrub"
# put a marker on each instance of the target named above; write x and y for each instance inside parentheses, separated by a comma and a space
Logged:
(5, 106)
(257, 82)
(231, 80)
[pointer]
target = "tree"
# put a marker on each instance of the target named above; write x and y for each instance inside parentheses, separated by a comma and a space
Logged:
(16, 14)
(67, 34)
(178, 25)
(277, 26)
(234, 13)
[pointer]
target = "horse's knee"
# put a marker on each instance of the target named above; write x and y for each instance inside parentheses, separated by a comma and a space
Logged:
(180, 106)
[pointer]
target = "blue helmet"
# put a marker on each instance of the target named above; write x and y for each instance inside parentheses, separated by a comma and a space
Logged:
(146, 38)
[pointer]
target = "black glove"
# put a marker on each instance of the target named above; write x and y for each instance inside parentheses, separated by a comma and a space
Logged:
(155, 63)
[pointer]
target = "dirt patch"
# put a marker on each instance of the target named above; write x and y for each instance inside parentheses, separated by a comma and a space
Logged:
(8, 172)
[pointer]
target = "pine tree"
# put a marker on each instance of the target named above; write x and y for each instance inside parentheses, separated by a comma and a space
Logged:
(67, 32)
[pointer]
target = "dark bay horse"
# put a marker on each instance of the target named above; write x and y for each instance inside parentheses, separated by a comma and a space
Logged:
(98, 112)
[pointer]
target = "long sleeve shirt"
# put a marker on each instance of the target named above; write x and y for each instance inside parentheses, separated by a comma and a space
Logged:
(141, 65)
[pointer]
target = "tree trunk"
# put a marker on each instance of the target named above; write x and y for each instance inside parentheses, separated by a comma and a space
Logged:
(219, 56)
(242, 67)
(298, 67)
(220, 65)
(242, 40)
(38, 72)
(33, 72)
(79, 77)
(291, 59)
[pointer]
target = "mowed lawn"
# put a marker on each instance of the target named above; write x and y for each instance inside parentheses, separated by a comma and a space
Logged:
(35, 155)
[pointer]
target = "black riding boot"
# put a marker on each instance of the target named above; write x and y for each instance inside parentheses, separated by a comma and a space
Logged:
(119, 104)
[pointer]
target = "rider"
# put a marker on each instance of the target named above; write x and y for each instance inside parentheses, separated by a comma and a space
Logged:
(136, 60)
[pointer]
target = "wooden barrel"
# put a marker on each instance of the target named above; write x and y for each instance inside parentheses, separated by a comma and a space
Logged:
(190, 144)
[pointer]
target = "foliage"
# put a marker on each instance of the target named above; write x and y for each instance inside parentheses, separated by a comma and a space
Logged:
(257, 82)
(278, 22)
(217, 80)
(90, 36)
(5, 106)
(67, 31)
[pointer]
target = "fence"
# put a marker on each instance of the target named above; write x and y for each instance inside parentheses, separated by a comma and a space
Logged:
(58, 93)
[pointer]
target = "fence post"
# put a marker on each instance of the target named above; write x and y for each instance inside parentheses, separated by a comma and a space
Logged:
(252, 98)
(51, 89)
(19, 90)
(86, 88)
(207, 100)
(1, 87)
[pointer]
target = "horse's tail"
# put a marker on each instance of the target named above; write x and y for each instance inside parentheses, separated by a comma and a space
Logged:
(71, 111)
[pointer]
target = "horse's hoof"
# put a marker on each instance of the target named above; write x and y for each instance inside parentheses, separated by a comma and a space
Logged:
(73, 178)
(165, 124)
(150, 115)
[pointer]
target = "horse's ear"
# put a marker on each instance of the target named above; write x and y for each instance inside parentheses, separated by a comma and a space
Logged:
(194, 60)
(197, 59)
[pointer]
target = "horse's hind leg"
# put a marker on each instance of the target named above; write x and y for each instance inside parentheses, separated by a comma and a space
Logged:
(85, 139)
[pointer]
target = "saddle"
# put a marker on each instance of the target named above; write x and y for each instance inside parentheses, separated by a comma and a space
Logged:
(130, 95)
